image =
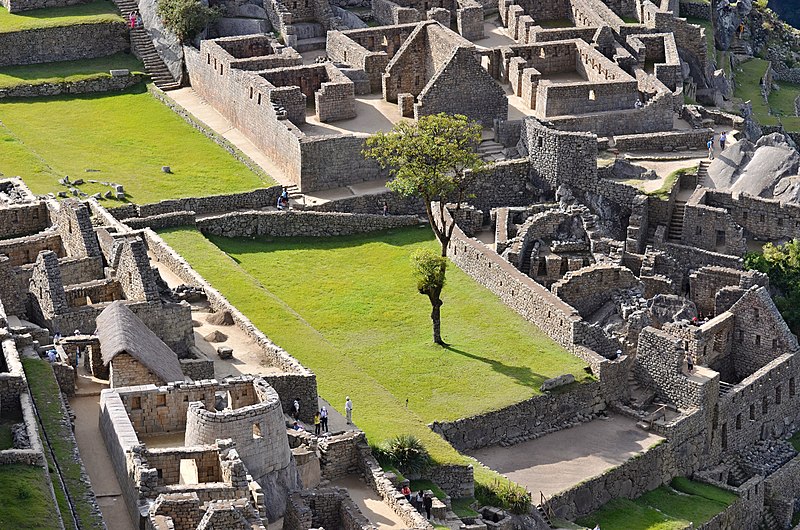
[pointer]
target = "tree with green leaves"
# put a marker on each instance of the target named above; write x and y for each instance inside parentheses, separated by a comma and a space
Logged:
(429, 271)
(433, 159)
(186, 18)
(782, 264)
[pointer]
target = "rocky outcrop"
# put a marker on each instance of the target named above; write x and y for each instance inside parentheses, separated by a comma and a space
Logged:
(166, 43)
(727, 18)
(768, 168)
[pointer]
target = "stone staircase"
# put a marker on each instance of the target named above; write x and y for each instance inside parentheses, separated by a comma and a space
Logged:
(675, 232)
(491, 151)
(737, 476)
(143, 47)
(702, 174)
(641, 398)
(543, 515)
(738, 47)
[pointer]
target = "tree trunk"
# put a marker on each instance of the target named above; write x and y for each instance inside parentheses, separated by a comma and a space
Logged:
(436, 319)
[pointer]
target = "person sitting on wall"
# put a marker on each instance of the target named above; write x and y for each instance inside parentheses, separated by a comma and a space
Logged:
(406, 491)
(297, 427)
(638, 104)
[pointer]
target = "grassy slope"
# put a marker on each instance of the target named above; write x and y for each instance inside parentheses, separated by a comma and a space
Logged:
(46, 395)
(93, 13)
(748, 75)
(364, 283)
(25, 499)
(127, 136)
(72, 71)
(665, 508)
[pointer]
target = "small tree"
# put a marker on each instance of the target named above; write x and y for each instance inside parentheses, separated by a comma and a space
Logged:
(429, 271)
(186, 18)
(433, 159)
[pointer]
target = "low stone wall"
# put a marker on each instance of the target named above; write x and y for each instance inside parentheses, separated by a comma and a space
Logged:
(296, 223)
(198, 369)
(664, 141)
(67, 43)
(65, 375)
(17, 6)
(525, 420)
(745, 512)
(166, 220)
(324, 508)
(339, 455)
(373, 204)
(33, 455)
(455, 480)
(259, 198)
(100, 84)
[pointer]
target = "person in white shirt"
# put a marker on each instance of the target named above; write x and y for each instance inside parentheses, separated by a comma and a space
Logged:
(348, 409)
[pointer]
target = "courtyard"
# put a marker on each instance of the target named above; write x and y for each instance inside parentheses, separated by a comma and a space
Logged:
(123, 138)
(347, 308)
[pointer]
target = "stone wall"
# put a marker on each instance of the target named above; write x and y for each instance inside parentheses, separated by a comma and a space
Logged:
(101, 84)
(587, 289)
(763, 219)
(17, 6)
(127, 371)
(66, 43)
(699, 10)
(296, 223)
(664, 141)
(259, 198)
(22, 219)
(324, 508)
(525, 420)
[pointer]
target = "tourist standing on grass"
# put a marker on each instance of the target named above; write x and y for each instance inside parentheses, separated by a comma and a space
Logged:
(428, 502)
(722, 139)
(348, 409)
(296, 409)
(710, 146)
(317, 423)
(323, 416)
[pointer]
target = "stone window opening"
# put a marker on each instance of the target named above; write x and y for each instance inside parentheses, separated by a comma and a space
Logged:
(592, 95)
(791, 387)
(755, 314)
(764, 405)
(251, 92)
(778, 395)
(259, 99)
(744, 215)
(159, 473)
(208, 59)
(780, 221)
(188, 471)
(774, 344)
(741, 336)
(221, 69)
(724, 436)
(758, 340)
(161, 400)
(540, 142)
(257, 431)
(752, 412)
(738, 421)
(136, 403)
(306, 3)
(762, 218)
(698, 230)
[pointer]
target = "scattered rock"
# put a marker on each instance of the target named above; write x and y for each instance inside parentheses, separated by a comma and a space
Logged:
(225, 352)
(108, 195)
(78, 182)
(221, 318)
(62, 194)
(556, 382)
(216, 336)
(166, 169)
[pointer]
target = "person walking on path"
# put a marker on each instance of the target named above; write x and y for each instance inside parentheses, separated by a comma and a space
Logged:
(428, 502)
(348, 409)
(317, 423)
(323, 416)
(722, 139)
(710, 146)
(296, 409)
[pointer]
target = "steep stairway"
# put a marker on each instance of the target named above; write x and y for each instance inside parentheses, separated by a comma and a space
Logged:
(143, 47)
(702, 174)
(675, 232)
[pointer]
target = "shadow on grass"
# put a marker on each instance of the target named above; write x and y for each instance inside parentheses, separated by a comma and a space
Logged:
(522, 374)
(396, 238)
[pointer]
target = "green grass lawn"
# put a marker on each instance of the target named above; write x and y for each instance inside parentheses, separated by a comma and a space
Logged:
(126, 137)
(25, 499)
(37, 74)
(6, 438)
(347, 308)
(670, 507)
(781, 102)
(93, 13)
(46, 395)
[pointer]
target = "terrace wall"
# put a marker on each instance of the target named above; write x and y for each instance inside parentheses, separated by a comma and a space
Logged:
(101, 84)
(68, 43)
(17, 6)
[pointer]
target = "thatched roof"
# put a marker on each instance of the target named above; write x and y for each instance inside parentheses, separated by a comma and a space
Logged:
(120, 330)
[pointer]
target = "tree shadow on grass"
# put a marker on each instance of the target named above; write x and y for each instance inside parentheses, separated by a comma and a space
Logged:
(521, 374)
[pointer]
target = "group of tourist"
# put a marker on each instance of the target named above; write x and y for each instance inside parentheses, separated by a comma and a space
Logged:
(283, 200)
(320, 417)
(135, 19)
(723, 139)
(422, 501)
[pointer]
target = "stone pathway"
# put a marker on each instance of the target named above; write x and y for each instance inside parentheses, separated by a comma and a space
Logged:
(370, 504)
(560, 460)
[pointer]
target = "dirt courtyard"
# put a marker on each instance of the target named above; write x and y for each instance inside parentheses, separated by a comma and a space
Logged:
(560, 460)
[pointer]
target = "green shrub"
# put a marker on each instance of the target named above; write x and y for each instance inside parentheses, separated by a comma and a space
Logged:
(408, 453)
(186, 18)
(504, 494)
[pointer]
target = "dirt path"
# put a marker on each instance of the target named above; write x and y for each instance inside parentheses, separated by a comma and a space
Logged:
(98, 463)
(369, 503)
(560, 460)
